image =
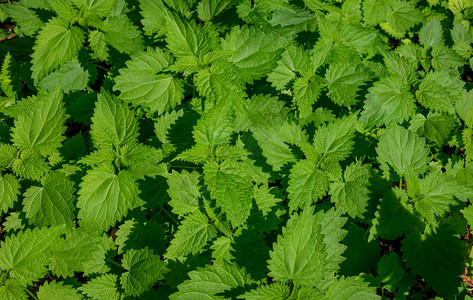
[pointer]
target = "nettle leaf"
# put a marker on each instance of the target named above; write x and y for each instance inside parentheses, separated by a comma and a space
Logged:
(403, 150)
(306, 253)
(9, 191)
(431, 33)
(76, 251)
(105, 197)
(103, 287)
(113, 124)
(41, 124)
(293, 60)
(122, 34)
(212, 281)
(351, 288)
(153, 13)
(12, 290)
(27, 19)
(214, 127)
(68, 78)
(144, 269)
(57, 290)
(56, 44)
(184, 191)
(388, 101)
(307, 184)
(192, 235)
(335, 140)
(184, 37)
(28, 253)
(143, 83)
(353, 193)
(271, 291)
(445, 249)
(52, 203)
(253, 50)
(344, 82)
(439, 91)
(229, 186)
(438, 193)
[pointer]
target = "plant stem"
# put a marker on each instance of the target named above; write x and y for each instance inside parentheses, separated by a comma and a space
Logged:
(31, 294)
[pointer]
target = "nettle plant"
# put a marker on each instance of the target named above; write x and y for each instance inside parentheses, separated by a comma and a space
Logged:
(218, 149)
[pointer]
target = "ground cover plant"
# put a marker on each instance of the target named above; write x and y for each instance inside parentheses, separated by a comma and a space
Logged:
(218, 149)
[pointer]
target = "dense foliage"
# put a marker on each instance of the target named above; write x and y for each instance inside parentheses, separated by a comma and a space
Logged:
(266, 149)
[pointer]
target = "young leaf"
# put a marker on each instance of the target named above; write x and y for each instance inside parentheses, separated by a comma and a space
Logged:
(56, 44)
(113, 124)
(300, 253)
(144, 270)
(29, 252)
(212, 280)
(41, 124)
(105, 197)
(52, 203)
(403, 150)
(57, 290)
(103, 287)
(192, 235)
(142, 83)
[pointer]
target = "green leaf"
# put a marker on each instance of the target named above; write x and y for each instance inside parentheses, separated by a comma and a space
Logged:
(183, 191)
(103, 287)
(41, 124)
(388, 101)
(57, 290)
(207, 10)
(444, 58)
(438, 193)
(439, 91)
(390, 268)
(26, 18)
(264, 198)
(352, 194)
(344, 82)
(214, 127)
(300, 253)
(69, 77)
(184, 37)
(144, 270)
(210, 282)
(403, 150)
(294, 60)
(9, 191)
(28, 253)
(307, 184)
(351, 288)
(335, 140)
(56, 43)
(192, 235)
(113, 124)
(274, 291)
(153, 13)
(142, 83)
(30, 165)
(447, 250)
(76, 251)
(394, 216)
(12, 290)
(52, 203)
(231, 189)
(306, 94)
(106, 197)
(431, 33)
(254, 51)
(121, 34)
(98, 45)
